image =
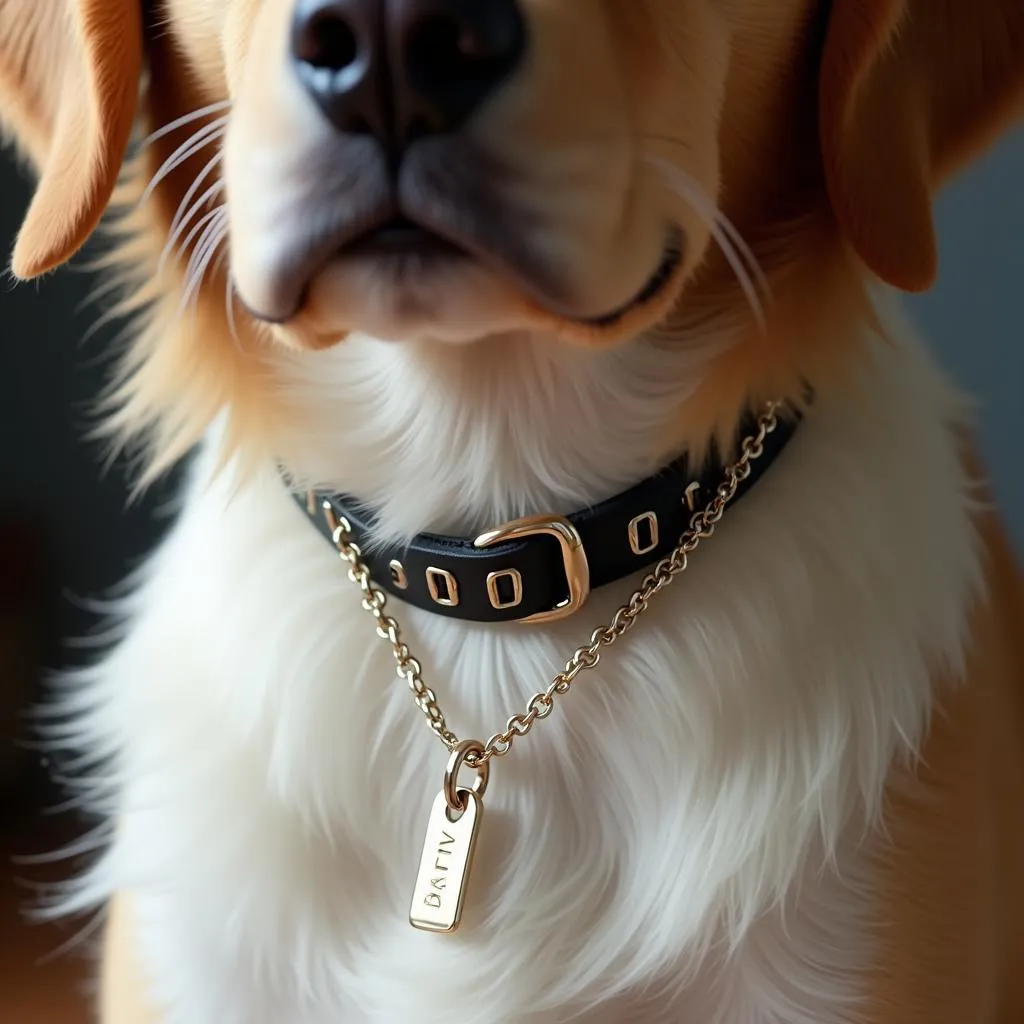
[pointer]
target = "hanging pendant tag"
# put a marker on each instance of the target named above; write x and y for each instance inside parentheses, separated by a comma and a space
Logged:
(445, 864)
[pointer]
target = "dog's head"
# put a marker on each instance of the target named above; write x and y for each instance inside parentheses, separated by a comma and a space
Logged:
(455, 169)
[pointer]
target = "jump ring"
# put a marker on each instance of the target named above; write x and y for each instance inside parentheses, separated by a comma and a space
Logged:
(451, 775)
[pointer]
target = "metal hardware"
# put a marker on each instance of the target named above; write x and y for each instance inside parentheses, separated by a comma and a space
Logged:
(542, 704)
(690, 495)
(650, 518)
(398, 574)
(450, 841)
(459, 756)
(452, 599)
(494, 593)
(574, 558)
(449, 846)
(338, 525)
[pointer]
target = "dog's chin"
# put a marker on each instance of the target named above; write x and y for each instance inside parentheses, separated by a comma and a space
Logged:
(445, 295)
(409, 297)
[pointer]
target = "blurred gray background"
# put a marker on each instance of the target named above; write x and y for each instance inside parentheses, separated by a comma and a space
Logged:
(51, 477)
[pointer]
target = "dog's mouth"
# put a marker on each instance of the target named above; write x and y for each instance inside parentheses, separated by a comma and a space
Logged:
(401, 237)
(657, 284)
(423, 249)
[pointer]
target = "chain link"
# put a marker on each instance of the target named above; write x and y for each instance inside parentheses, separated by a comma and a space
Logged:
(702, 525)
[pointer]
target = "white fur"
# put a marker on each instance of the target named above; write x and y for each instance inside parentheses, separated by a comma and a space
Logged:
(687, 839)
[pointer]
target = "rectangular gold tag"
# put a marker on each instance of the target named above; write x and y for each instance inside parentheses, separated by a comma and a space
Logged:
(445, 865)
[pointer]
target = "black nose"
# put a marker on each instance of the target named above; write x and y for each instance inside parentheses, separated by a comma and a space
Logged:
(399, 69)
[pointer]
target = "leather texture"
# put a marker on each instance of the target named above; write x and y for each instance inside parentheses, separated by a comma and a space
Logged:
(459, 570)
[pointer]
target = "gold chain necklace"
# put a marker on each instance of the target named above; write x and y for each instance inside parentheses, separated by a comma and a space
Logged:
(440, 890)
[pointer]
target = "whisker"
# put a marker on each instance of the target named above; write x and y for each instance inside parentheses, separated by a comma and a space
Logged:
(700, 196)
(203, 267)
(196, 142)
(200, 260)
(213, 237)
(185, 119)
(213, 227)
(735, 261)
(737, 253)
(704, 205)
(192, 190)
(217, 222)
(169, 248)
(203, 222)
(744, 250)
(203, 132)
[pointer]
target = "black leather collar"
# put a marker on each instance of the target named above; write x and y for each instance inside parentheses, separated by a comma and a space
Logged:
(542, 568)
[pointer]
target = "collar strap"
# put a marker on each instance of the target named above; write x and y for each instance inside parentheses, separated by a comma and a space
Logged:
(542, 568)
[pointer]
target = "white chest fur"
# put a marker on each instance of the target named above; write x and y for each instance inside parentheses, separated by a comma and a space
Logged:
(656, 851)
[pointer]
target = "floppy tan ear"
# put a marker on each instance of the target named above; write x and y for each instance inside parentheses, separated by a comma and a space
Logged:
(69, 81)
(909, 90)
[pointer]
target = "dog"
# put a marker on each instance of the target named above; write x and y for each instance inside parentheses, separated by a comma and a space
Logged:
(492, 324)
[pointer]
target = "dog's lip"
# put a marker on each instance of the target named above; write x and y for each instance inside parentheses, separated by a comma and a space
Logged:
(667, 269)
(490, 256)
(401, 236)
(390, 232)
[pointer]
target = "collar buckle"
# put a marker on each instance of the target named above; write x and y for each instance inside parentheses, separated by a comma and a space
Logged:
(574, 558)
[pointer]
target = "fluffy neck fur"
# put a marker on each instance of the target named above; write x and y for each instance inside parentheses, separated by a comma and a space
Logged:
(677, 812)
(458, 439)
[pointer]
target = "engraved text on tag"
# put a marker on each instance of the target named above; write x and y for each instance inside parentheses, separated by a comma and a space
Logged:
(445, 864)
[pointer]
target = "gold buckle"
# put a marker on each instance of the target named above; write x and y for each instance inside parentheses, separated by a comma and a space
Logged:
(574, 558)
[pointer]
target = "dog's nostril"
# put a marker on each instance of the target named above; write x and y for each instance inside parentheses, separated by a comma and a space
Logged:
(327, 42)
(437, 49)
(443, 50)
(401, 69)
(453, 55)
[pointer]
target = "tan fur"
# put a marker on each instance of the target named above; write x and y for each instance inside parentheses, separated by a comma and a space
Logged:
(953, 875)
(823, 140)
(770, 176)
(72, 71)
(123, 998)
(910, 90)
